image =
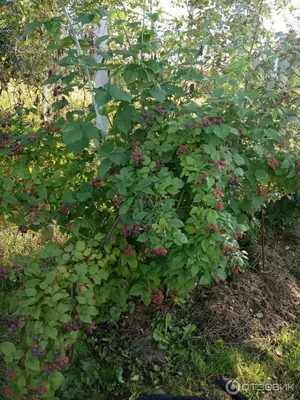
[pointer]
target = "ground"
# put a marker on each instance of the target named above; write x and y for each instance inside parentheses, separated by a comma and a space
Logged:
(247, 329)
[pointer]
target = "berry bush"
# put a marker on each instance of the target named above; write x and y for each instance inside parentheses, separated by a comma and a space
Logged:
(161, 202)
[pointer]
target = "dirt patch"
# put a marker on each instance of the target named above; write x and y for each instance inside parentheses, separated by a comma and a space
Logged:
(252, 304)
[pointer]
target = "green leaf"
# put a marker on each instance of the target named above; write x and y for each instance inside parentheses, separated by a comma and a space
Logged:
(52, 79)
(239, 160)
(261, 175)
(102, 97)
(119, 156)
(47, 233)
(101, 39)
(57, 379)
(85, 318)
(21, 382)
(131, 73)
(104, 167)
(80, 245)
(115, 313)
(72, 134)
(86, 18)
(106, 148)
(83, 197)
(51, 333)
(118, 93)
(8, 348)
(53, 26)
(158, 93)
(137, 290)
(30, 292)
(257, 200)
(32, 26)
(77, 130)
(32, 363)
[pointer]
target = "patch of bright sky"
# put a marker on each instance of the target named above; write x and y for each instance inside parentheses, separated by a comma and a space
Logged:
(279, 21)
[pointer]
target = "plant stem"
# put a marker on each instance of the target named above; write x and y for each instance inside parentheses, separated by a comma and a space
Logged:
(86, 70)
(263, 237)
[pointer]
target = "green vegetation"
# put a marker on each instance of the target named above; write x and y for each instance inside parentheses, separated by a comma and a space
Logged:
(144, 217)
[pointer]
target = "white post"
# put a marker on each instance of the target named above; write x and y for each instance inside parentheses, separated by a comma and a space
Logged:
(101, 76)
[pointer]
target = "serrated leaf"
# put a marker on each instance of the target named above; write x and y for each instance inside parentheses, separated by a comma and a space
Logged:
(104, 167)
(102, 97)
(115, 313)
(158, 93)
(136, 290)
(118, 94)
(8, 348)
(52, 79)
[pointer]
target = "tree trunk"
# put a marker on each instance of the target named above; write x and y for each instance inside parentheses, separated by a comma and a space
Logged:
(101, 77)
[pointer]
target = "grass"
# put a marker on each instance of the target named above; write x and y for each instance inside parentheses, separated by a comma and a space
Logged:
(114, 365)
(189, 366)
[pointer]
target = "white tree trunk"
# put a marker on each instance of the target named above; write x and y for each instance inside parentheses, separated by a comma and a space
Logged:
(101, 77)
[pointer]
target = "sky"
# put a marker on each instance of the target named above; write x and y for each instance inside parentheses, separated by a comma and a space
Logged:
(278, 24)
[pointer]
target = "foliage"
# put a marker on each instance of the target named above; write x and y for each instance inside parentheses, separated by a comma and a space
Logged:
(161, 202)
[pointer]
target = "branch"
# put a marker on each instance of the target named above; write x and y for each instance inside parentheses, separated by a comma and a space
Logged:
(86, 70)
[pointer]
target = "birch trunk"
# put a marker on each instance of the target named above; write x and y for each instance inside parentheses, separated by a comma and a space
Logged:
(101, 76)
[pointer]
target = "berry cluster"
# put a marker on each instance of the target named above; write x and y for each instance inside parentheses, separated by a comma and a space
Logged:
(136, 229)
(17, 148)
(4, 140)
(234, 180)
(221, 164)
(284, 96)
(136, 142)
(32, 137)
(37, 393)
(5, 118)
(182, 149)
(57, 91)
(57, 363)
(219, 204)
(157, 298)
(273, 162)
(159, 109)
(23, 228)
(238, 235)
(53, 128)
(226, 251)
(74, 325)
(236, 269)
(159, 164)
(128, 251)
(218, 192)
(64, 208)
(30, 191)
(96, 182)
(205, 122)
(158, 252)
(4, 269)
(20, 268)
(213, 228)
(147, 118)
(203, 178)
(12, 324)
(9, 393)
(116, 200)
(35, 349)
(138, 157)
(262, 191)
(34, 207)
(10, 375)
